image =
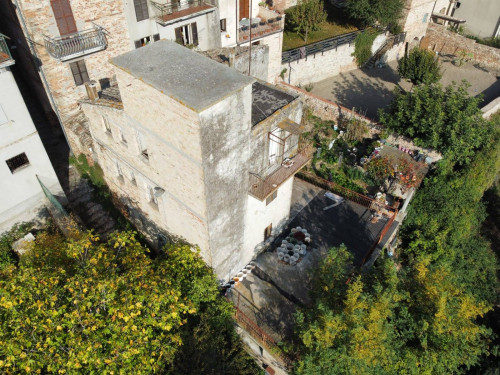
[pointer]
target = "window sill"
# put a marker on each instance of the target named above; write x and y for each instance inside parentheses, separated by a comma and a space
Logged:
(18, 169)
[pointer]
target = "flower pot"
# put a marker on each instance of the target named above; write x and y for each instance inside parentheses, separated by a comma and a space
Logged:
(236, 280)
(244, 271)
(239, 275)
(281, 256)
(286, 258)
(249, 269)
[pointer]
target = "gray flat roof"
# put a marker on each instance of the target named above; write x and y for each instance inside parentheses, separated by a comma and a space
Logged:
(185, 75)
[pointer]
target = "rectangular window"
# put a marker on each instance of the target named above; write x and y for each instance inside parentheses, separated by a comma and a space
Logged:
(268, 231)
(64, 16)
(223, 25)
(119, 171)
(156, 37)
(143, 146)
(142, 42)
(272, 197)
(122, 136)
(107, 126)
(187, 34)
(133, 181)
(141, 10)
(79, 71)
(151, 196)
(18, 162)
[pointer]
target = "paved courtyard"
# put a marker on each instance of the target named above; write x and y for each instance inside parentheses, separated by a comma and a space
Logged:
(366, 90)
(271, 294)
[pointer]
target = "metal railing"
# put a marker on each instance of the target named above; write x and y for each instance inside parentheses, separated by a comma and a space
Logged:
(77, 44)
(4, 50)
(173, 6)
(328, 44)
(261, 29)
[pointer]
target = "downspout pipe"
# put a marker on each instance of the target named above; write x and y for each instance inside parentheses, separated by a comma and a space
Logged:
(42, 74)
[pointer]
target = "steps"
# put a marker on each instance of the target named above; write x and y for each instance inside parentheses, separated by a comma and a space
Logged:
(389, 43)
(92, 214)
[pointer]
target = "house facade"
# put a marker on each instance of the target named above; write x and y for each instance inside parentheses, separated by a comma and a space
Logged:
(198, 151)
(24, 163)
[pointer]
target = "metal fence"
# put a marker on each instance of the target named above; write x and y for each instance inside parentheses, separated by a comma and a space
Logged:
(4, 50)
(328, 44)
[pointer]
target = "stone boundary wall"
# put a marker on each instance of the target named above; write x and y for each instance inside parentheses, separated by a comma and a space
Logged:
(492, 108)
(328, 110)
(438, 39)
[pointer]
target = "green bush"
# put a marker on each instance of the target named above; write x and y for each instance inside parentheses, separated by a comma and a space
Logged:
(7, 255)
(420, 66)
(363, 46)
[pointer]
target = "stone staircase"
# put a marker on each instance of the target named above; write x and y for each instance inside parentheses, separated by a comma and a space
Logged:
(92, 214)
(389, 43)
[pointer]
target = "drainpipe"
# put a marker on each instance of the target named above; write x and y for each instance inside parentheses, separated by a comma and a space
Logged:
(42, 74)
(250, 39)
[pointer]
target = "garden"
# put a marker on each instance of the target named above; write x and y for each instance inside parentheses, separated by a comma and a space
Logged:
(351, 156)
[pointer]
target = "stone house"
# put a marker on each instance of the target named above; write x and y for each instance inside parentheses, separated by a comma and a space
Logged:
(198, 151)
(23, 160)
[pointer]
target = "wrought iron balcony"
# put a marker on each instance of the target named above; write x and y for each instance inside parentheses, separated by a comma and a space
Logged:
(175, 9)
(5, 56)
(77, 44)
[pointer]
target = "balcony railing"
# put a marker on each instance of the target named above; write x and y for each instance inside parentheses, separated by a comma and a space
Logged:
(5, 56)
(77, 44)
(266, 23)
(178, 8)
(262, 185)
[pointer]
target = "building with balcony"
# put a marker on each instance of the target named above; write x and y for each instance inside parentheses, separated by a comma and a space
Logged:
(198, 150)
(23, 159)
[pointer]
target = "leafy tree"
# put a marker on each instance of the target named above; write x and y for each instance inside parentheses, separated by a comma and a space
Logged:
(420, 66)
(306, 16)
(368, 12)
(448, 120)
(84, 306)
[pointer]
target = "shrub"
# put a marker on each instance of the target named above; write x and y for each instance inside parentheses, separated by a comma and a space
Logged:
(420, 66)
(363, 46)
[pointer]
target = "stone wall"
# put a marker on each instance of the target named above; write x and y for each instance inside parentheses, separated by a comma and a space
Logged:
(438, 39)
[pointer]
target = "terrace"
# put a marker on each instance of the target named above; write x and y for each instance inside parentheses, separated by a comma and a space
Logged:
(174, 11)
(266, 23)
(77, 44)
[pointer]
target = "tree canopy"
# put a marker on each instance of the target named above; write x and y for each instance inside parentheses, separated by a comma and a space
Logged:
(420, 66)
(368, 12)
(306, 16)
(84, 306)
(448, 120)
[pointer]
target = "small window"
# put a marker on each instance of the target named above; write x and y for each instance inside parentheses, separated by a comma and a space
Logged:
(142, 42)
(268, 231)
(107, 126)
(152, 197)
(133, 181)
(3, 116)
(272, 197)
(143, 147)
(18, 162)
(141, 10)
(223, 25)
(424, 20)
(119, 171)
(122, 136)
(156, 37)
(79, 71)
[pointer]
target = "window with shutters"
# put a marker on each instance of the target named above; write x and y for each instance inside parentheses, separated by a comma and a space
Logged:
(141, 10)
(64, 16)
(187, 34)
(79, 71)
(17, 162)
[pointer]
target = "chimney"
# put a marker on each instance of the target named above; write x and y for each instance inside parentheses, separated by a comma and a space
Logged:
(232, 55)
(91, 87)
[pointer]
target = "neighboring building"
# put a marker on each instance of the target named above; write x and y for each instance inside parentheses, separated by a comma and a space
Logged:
(482, 16)
(23, 159)
(416, 18)
(198, 150)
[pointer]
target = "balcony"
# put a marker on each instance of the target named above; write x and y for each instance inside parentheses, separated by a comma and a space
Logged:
(78, 44)
(5, 56)
(264, 184)
(176, 10)
(266, 23)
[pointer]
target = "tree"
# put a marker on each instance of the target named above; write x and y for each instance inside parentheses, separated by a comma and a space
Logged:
(420, 66)
(306, 16)
(86, 306)
(368, 12)
(448, 120)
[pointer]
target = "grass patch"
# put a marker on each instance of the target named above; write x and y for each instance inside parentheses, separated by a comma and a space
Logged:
(337, 23)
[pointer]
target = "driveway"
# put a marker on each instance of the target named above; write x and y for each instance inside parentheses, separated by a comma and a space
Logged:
(367, 90)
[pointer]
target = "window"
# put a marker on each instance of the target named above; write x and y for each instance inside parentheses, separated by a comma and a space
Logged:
(272, 197)
(107, 126)
(268, 231)
(151, 196)
(223, 25)
(143, 147)
(156, 37)
(141, 10)
(133, 181)
(119, 171)
(3, 116)
(18, 162)
(142, 42)
(244, 9)
(122, 136)
(64, 16)
(79, 71)
(187, 34)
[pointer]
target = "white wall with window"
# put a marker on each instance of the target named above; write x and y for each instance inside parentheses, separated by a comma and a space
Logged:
(22, 159)
(274, 210)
